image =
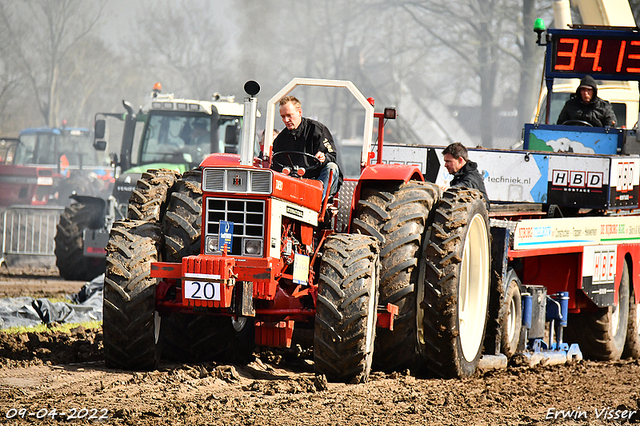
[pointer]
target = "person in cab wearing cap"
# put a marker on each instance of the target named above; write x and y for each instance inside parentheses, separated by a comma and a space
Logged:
(586, 107)
(310, 137)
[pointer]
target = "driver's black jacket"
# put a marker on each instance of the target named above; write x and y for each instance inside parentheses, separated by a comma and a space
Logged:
(598, 112)
(310, 137)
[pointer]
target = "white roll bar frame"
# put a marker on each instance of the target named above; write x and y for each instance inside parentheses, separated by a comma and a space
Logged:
(369, 110)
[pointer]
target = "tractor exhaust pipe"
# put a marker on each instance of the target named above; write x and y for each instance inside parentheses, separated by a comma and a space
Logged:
(249, 123)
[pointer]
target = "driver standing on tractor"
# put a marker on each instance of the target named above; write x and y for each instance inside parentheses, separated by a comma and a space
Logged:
(311, 137)
(586, 106)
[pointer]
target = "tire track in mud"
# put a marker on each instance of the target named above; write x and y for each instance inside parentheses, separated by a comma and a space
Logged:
(64, 371)
(48, 371)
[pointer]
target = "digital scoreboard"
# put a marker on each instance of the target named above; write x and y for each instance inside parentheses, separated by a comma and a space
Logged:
(605, 55)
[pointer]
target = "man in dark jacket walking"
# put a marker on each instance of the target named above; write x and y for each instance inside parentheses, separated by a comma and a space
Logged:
(311, 137)
(465, 173)
(585, 105)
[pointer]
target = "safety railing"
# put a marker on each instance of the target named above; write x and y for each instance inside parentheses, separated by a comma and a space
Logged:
(29, 230)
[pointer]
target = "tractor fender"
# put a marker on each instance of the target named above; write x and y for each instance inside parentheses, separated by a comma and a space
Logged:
(384, 173)
(391, 172)
(88, 199)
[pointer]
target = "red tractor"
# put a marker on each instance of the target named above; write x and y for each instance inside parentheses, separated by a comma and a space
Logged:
(242, 256)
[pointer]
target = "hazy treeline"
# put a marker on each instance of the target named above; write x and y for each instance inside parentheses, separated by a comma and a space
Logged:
(59, 61)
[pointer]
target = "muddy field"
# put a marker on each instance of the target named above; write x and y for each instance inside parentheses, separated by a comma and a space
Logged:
(62, 378)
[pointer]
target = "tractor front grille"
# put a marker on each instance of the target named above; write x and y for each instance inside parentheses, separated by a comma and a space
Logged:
(248, 218)
(237, 181)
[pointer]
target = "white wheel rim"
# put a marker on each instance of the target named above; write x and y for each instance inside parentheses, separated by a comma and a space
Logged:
(156, 326)
(511, 320)
(420, 290)
(371, 310)
(238, 324)
(473, 288)
(615, 319)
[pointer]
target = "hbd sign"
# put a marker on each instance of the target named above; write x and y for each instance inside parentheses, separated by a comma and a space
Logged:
(624, 189)
(577, 179)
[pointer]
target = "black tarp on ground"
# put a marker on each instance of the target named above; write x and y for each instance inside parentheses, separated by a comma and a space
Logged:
(84, 306)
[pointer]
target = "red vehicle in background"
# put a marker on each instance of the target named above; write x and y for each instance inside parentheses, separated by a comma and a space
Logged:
(20, 184)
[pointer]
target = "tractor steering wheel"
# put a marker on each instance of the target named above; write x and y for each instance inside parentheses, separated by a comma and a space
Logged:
(295, 160)
(577, 123)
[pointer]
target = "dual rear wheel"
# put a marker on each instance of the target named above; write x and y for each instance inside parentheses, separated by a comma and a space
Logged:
(435, 260)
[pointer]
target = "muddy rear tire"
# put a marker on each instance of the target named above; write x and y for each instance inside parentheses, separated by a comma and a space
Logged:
(131, 324)
(397, 216)
(457, 284)
(149, 198)
(346, 311)
(601, 334)
(70, 260)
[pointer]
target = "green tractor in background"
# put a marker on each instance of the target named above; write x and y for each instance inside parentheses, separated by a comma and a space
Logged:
(163, 140)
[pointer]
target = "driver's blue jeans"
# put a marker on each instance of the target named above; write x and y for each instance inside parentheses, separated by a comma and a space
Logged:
(324, 178)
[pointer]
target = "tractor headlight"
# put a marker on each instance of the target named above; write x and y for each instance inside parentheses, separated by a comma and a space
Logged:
(211, 244)
(252, 247)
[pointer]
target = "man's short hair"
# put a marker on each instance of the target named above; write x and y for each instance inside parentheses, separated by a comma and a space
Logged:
(286, 99)
(457, 150)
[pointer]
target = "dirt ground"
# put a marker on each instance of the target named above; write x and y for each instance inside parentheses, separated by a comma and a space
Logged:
(63, 378)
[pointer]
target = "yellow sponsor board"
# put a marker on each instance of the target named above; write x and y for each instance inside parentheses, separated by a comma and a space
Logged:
(568, 232)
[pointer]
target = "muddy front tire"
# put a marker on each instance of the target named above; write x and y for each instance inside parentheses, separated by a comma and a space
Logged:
(131, 324)
(70, 259)
(601, 334)
(149, 198)
(457, 284)
(397, 216)
(346, 311)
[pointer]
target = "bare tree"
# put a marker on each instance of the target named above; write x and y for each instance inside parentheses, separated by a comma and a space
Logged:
(96, 80)
(331, 39)
(529, 61)
(55, 28)
(477, 32)
(10, 77)
(184, 43)
(466, 52)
